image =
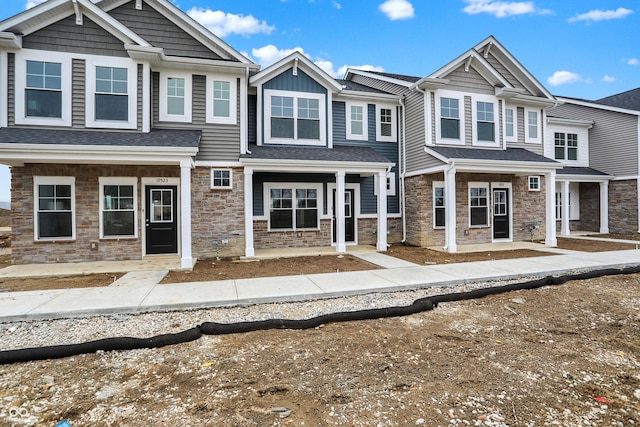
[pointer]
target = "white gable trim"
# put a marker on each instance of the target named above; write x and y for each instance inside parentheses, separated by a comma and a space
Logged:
(471, 58)
(299, 61)
(377, 77)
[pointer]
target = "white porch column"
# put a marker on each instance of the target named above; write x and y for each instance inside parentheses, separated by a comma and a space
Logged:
(550, 220)
(604, 207)
(338, 207)
(382, 212)
(248, 212)
(564, 227)
(450, 244)
(186, 260)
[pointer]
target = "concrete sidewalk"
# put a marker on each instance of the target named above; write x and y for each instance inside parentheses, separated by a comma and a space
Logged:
(145, 295)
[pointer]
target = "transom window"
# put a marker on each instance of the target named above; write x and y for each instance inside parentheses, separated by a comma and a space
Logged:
(118, 207)
(485, 121)
(290, 118)
(43, 91)
(293, 208)
(449, 118)
(566, 146)
(54, 210)
(478, 206)
(221, 178)
(111, 97)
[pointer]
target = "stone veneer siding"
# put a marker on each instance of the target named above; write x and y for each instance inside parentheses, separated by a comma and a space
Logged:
(527, 206)
(217, 215)
(623, 206)
(25, 250)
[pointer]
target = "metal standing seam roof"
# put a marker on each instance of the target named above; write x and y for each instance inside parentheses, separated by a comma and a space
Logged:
(170, 138)
(336, 154)
(508, 155)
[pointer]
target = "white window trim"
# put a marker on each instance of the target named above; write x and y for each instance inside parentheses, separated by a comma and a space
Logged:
(537, 177)
(233, 101)
(163, 114)
(21, 59)
(479, 185)
(54, 180)
(268, 186)
(474, 114)
(394, 123)
(391, 184)
(365, 121)
(438, 184)
(460, 97)
(527, 138)
(102, 181)
(222, 187)
(268, 93)
(132, 92)
(514, 137)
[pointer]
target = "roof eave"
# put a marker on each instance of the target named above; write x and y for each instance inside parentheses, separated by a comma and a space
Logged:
(596, 105)
(315, 165)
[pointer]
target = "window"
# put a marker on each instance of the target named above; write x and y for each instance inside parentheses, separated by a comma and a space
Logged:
(118, 207)
(449, 118)
(478, 205)
(386, 123)
(43, 88)
(221, 100)
(485, 124)
(175, 97)
(294, 117)
(54, 208)
(221, 178)
(566, 146)
(439, 212)
(357, 122)
(293, 208)
(532, 125)
(534, 183)
(111, 93)
(510, 129)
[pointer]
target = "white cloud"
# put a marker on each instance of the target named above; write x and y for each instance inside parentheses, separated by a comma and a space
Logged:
(563, 77)
(222, 24)
(602, 15)
(336, 5)
(608, 79)
(32, 3)
(501, 9)
(633, 61)
(397, 9)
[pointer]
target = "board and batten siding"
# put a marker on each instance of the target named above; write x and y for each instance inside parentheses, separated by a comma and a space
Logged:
(219, 142)
(300, 83)
(78, 97)
(65, 36)
(613, 139)
(161, 32)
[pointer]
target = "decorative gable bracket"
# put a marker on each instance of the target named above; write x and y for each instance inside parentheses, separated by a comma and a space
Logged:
(78, 12)
(138, 4)
(467, 63)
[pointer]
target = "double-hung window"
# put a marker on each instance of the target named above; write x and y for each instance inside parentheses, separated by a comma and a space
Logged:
(478, 205)
(439, 212)
(510, 124)
(566, 146)
(221, 100)
(485, 122)
(532, 125)
(294, 118)
(450, 120)
(111, 93)
(357, 121)
(293, 207)
(118, 207)
(386, 123)
(54, 208)
(175, 97)
(43, 92)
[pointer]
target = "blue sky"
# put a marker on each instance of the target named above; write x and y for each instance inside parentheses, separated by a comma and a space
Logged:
(579, 48)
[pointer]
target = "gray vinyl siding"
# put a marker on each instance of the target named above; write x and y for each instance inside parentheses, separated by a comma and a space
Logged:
(139, 99)
(468, 121)
(11, 90)
(78, 97)
(161, 32)
(430, 161)
(534, 147)
(219, 142)
(518, 75)
(613, 140)
(66, 36)
(415, 138)
(468, 81)
(504, 72)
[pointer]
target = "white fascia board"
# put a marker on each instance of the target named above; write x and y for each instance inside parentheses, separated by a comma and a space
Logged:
(486, 70)
(599, 106)
(112, 25)
(157, 58)
(66, 153)
(430, 83)
(314, 166)
(436, 154)
(20, 19)
(303, 63)
(474, 165)
(584, 178)
(214, 164)
(428, 171)
(364, 96)
(9, 40)
(535, 100)
(570, 122)
(377, 77)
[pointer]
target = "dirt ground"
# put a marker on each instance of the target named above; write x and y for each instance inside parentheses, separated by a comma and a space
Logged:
(567, 355)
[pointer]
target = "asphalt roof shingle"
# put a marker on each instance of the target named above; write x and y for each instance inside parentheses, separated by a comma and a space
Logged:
(629, 100)
(567, 170)
(335, 154)
(508, 155)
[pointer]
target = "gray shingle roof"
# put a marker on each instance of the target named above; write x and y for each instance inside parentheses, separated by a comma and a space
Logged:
(173, 138)
(629, 100)
(508, 155)
(335, 154)
(579, 171)
(357, 87)
(403, 77)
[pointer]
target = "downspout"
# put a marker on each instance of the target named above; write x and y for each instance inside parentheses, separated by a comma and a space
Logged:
(450, 166)
(403, 171)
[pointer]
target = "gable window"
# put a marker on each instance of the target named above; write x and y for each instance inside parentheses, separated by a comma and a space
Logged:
(386, 126)
(111, 93)
(510, 123)
(357, 122)
(293, 207)
(221, 100)
(294, 117)
(221, 178)
(44, 80)
(175, 97)
(532, 125)
(54, 208)
(534, 183)
(478, 205)
(118, 207)
(449, 118)
(439, 212)
(566, 146)
(485, 122)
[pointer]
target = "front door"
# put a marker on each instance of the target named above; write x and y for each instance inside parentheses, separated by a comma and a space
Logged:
(501, 213)
(161, 222)
(349, 219)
